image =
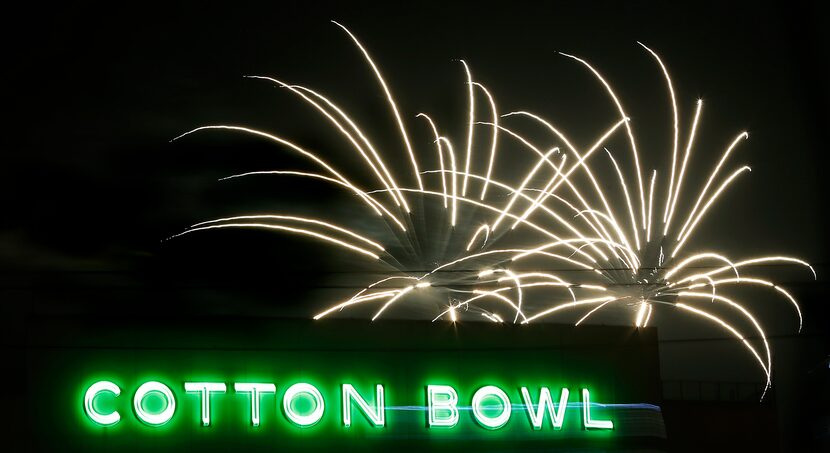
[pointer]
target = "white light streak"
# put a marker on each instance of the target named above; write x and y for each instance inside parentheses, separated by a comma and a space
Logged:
(486, 229)
(742, 135)
(641, 314)
(494, 141)
(706, 207)
(294, 218)
(469, 128)
(556, 308)
(402, 293)
(285, 228)
(391, 101)
(627, 128)
(676, 126)
(683, 168)
(650, 204)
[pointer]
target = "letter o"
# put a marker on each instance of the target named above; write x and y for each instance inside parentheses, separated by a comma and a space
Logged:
(485, 420)
(303, 420)
(163, 416)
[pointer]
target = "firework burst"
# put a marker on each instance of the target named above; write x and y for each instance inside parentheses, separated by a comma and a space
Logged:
(502, 235)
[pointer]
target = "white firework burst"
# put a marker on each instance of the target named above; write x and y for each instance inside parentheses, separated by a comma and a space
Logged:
(557, 211)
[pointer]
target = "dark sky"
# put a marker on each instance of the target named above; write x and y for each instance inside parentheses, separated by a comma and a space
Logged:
(94, 93)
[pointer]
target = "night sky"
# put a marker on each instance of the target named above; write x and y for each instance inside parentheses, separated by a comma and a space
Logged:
(94, 94)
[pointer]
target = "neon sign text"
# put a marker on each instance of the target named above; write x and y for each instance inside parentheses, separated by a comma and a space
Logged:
(304, 405)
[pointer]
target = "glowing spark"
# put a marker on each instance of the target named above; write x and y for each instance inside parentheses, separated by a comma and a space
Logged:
(628, 199)
(698, 257)
(768, 368)
(274, 138)
(284, 228)
(597, 308)
(640, 314)
(490, 317)
(648, 315)
(440, 154)
(568, 305)
(355, 300)
(766, 259)
(565, 176)
(470, 127)
(743, 135)
(480, 295)
(527, 179)
(650, 204)
(392, 300)
(550, 212)
(454, 189)
(494, 141)
(757, 281)
(486, 229)
(294, 218)
(683, 167)
(299, 91)
(706, 207)
(676, 126)
(377, 207)
(731, 329)
(627, 128)
(391, 101)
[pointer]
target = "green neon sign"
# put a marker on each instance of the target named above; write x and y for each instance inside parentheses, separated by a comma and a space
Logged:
(304, 405)
(396, 387)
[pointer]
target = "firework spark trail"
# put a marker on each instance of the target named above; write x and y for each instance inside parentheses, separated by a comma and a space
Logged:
(294, 218)
(556, 308)
(385, 180)
(648, 315)
(440, 154)
(552, 213)
(598, 190)
(650, 205)
(621, 253)
(593, 310)
(739, 307)
(391, 101)
(742, 135)
(670, 87)
(454, 187)
(628, 200)
(683, 167)
(486, 229)
(492, 208)
(627, 128)
(470, 88)
(581, 162)
(482, 294)
(573, 150)
(284, 228)
(544, 159)
(714, 197)
(281, 141)
(495, 139)
(751, 280)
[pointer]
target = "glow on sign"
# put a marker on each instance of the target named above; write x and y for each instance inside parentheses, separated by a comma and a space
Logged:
(490, 406)
(150, 418)
(294, 393)
(89, 403)
(204, 389)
